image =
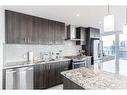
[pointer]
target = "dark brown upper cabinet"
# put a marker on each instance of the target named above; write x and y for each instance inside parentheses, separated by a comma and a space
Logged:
(25, 29)
(56, 32)
(41, 30)
(85, 34)
(51, 31)
(61, 33)
(14, 28)
(81, 34)
(19, 28)
(94, 32)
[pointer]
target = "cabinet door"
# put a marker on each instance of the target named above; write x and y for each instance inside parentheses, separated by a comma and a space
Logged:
(33, 34)
(56, 32)
(59, 33)
(58, 70)
(81, 34)
(63, 66)
(94, 33)
(41, 30)
(9, 27)
(40, 76)
(51, 30)
(43, 33)
(51, 76)
(44, 76)
(15, 28)
(36, 77)
(62, 33)
(19, 28)
(91, 34)
(28, 28)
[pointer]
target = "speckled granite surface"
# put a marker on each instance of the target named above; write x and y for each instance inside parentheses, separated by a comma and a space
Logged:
(91, 79)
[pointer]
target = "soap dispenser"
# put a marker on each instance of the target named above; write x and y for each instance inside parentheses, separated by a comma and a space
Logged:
(30, 56)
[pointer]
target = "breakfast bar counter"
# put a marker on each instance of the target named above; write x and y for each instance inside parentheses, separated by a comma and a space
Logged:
(89, 79)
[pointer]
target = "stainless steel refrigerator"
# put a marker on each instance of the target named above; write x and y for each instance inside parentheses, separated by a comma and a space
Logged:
(96, 50)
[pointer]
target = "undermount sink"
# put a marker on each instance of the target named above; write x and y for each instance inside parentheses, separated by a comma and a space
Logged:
(49, 60)
(46, 60)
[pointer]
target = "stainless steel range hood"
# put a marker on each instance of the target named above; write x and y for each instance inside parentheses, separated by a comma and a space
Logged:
(71, 33)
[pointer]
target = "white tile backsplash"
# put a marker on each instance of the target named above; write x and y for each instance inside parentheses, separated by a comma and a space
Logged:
(17, 52)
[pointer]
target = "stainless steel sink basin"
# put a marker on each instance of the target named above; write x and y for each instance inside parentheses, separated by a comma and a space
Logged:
(47, 61)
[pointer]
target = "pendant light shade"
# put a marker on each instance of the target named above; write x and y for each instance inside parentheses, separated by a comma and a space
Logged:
(125, 25)
(109, 22)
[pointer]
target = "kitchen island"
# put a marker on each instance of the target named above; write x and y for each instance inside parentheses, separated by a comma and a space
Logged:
(89, 79)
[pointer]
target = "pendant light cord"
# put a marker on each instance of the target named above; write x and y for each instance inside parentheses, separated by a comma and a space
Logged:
(108, 10)
(126, 14)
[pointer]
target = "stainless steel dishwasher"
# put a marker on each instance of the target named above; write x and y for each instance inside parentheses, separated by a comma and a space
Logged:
(19, 78)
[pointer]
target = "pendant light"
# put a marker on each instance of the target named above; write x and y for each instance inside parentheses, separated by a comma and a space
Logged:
(108, 22)
(125, 25)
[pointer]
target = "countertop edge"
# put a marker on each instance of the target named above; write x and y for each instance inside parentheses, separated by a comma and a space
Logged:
(27, 64)
(118, 78)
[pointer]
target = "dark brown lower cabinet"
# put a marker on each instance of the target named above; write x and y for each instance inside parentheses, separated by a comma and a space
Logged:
(51, 75)
(70, 85)
(40, 81)
(4, 79)
(48, 75)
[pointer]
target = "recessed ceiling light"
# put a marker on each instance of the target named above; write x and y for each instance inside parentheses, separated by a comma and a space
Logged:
(77, 15)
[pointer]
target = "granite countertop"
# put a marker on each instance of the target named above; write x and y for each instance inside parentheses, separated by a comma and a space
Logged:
(11, 65)
(78, 58)
(91, 79)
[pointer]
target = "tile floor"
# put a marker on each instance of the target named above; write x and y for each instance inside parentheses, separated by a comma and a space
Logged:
(58, 87)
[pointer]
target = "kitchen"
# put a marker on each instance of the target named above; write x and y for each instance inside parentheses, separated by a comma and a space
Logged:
(40, 52)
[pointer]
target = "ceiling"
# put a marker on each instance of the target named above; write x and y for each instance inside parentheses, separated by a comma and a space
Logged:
(88, 15)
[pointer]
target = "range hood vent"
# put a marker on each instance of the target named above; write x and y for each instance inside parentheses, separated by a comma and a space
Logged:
(71, 33)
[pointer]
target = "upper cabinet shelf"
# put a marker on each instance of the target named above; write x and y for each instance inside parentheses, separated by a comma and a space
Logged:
(25, 29)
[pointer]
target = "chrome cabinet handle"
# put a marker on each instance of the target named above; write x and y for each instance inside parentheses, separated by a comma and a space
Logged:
(28, 40)
(25, 39)
(49, 66)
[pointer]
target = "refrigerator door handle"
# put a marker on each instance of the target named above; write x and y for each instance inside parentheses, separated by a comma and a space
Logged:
(98, 51)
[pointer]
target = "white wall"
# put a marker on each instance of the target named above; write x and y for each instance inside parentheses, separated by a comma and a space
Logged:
(1, 42)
